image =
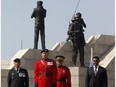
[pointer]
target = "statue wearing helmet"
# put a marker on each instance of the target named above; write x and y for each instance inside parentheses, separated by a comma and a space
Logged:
(76, 36)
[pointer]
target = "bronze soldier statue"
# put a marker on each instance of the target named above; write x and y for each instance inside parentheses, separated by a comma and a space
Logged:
(39, 14)
(76, 36)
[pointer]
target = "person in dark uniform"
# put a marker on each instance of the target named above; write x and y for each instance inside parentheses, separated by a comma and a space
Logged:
(39, 14)
(17, 76)
(77, 37)
(96, 76)
(63, 75)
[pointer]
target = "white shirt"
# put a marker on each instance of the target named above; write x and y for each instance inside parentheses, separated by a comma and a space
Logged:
(17, 70)
(95, 71)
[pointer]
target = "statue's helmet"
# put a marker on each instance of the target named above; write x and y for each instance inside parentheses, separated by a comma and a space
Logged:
(39, 2)
(78, 15)
(73, 18)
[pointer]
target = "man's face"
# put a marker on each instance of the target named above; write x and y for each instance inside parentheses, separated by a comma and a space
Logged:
(95, 61)
(59, 62)
(45, 55)
(17, 64)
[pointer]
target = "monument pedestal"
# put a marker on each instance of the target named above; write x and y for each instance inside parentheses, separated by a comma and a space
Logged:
(103, 46)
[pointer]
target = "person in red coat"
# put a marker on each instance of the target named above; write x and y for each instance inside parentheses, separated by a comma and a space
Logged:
(63, 73)
(45, 71)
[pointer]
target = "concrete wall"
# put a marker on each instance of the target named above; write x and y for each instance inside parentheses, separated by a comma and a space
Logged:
(103, 46)
(77, 76)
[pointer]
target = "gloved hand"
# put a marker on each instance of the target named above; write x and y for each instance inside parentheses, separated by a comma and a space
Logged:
(53, 84)
(36, 84)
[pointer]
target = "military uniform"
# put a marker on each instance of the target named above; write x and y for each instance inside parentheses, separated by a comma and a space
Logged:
(18, 78)
(45, 72)
(63, 75)
(39, 14)
(77, 38)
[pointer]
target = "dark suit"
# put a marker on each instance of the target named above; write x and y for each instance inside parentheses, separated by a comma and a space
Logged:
(18, 79)
(100, 80)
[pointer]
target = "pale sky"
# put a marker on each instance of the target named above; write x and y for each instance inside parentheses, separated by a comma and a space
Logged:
(16, 22)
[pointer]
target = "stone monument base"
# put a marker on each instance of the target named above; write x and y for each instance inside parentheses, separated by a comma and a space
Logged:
(103, 46)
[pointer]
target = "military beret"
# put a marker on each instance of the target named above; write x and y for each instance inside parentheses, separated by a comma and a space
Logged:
(44, 50)
(17, 60)
(60, 57)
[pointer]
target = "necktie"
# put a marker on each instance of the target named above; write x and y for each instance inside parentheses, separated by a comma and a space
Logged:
(17, 70)
(95, 71)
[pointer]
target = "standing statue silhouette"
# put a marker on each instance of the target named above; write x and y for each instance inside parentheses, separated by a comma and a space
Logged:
(76, 36)
(39, 14)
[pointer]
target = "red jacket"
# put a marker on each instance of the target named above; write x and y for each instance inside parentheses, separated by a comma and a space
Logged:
(45, 72)
(63, 77)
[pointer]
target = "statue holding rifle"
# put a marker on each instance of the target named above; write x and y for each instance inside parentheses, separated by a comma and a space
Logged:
(76, 36)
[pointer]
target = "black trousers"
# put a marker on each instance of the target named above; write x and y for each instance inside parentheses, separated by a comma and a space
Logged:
(39, 28)
(78, 48)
